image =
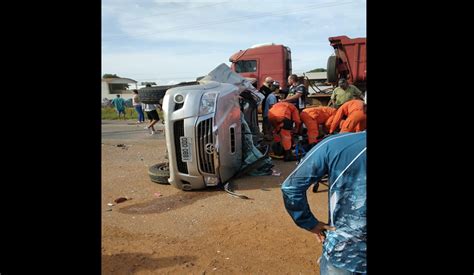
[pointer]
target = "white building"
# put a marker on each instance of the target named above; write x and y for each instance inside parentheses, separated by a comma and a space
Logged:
(113, 86)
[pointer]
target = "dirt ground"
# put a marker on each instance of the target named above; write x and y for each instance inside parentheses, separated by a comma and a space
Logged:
(163, 230)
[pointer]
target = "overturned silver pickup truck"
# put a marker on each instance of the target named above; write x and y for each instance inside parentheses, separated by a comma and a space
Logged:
(203, 127)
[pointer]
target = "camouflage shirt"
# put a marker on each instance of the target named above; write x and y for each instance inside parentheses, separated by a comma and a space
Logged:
(341, 96)
(343, 158)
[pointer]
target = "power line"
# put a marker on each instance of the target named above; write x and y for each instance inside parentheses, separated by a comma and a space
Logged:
(175, 12)
(240, 18)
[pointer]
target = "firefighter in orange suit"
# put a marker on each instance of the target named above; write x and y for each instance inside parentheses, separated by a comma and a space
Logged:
(315, 116)
(356, 118)
(282, 115)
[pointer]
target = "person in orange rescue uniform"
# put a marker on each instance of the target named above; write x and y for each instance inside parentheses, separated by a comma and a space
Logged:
(282, 115)
(315, 116)
(356, 118)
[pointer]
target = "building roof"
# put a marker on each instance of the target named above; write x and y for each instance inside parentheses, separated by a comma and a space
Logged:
(118, 80)
(317, 75)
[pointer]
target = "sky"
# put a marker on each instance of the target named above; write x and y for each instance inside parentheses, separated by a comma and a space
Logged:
(168, 42)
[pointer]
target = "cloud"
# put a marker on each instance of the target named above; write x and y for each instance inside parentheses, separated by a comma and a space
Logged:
(160, 66)
(222, 21)
(170, 40)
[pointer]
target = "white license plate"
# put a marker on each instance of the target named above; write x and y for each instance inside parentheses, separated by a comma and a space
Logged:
(186, 149)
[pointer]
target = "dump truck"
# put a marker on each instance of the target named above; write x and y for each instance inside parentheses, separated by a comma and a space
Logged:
(349, 61)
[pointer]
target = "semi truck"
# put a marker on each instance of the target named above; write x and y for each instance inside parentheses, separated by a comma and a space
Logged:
(260, 61)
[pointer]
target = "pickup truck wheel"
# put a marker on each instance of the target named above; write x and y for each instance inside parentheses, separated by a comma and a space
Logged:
(332, 72)
(159, 173)
(151, 95)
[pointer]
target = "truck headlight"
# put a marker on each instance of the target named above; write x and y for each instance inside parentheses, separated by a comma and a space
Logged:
(178, 99)
(208, 103)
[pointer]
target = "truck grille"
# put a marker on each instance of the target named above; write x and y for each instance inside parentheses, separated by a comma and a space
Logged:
(206, 146)
(179, 132)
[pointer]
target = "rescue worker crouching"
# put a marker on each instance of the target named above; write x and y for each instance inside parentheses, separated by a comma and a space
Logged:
(282, 116)
(354, 111)
(315, 117)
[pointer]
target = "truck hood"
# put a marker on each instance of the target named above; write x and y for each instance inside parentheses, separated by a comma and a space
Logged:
(224, 74)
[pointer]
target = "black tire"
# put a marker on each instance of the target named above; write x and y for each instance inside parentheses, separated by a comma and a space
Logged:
(159, 173)
(332, 70)
(151, 95)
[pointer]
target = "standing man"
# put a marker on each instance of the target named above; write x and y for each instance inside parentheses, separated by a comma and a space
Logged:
(343, 158)
(138, 106)
(344, 93)
(269, 100)
(355, 121)
(297, 93)
(282, 116)
(119, 105)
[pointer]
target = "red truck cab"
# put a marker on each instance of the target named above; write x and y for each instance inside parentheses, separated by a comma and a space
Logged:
(260, 61)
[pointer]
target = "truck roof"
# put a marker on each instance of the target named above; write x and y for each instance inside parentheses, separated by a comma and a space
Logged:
(273, 48)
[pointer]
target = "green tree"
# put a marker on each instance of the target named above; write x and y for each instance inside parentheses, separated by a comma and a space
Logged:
(317, 70)
(110, 76)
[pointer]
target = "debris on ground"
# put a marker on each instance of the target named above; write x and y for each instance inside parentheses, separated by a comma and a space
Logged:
(276, 173)
(157, 194)
(120, 145)
(228, 188)
(110, 204)
(121, 199)
(265, 189)
(272, 155)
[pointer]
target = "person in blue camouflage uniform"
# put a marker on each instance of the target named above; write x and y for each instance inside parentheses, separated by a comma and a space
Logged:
(343, 158)
(297, 93)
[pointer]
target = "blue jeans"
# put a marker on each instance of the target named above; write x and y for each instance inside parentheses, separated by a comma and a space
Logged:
(141, 116)
(325, 268)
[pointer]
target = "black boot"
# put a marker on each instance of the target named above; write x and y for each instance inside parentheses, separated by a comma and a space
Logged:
(289, 156)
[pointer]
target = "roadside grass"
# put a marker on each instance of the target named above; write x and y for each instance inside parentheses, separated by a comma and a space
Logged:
(130, 113)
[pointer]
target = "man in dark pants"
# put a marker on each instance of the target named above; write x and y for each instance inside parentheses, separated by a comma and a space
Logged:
(343, 158)
(152, 114)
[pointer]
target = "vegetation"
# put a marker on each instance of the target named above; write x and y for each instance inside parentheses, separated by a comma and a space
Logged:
(110, 76)
(130, 113)
(317, 70)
